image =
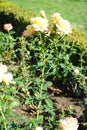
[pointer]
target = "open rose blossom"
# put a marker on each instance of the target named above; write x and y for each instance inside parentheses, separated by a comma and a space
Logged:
(39, 128)
(55, 18)
(39, 23)
(69, 123)
(8, 27)
(42, 13)
(29, 31)
(7, 78)
(64, 26)
(3, 69)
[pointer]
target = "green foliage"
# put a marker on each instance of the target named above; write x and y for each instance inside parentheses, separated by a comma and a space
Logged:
(7, 43)
(8, 101)
(2, 1)
(79, 39)
(12, 13)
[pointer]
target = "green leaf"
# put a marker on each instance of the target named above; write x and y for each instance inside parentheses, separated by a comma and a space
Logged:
(85, 101)
(15, 103)
(49, 103)
(29, 100)
(40, 64)
(48, 83)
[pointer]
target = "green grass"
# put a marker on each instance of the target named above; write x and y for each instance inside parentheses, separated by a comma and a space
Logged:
(73, 10)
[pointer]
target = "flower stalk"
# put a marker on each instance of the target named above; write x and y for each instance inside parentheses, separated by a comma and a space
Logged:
(3, 116)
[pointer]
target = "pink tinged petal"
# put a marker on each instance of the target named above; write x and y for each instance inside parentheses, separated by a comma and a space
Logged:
(8, 27)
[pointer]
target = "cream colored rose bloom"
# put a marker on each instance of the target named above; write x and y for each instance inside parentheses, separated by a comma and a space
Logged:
(39, 128)
(39, 24)
(30, 29)
(42, 13)
(7, 78)
(1, 77)
(64, 26)
(69, 123)
(3, 68)
(55, 18)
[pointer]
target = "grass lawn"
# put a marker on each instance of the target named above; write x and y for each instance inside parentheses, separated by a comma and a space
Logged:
(73, 10)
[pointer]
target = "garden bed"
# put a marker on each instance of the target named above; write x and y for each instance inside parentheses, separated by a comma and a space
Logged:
(43, 77)
(61, 102)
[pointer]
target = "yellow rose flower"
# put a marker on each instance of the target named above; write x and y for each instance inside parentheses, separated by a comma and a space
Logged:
(55, 18)
(30, 29)
(42, 13)
(39, 24)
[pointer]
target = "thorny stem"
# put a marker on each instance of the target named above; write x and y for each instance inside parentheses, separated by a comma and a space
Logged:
(23, 50)
(41, 87)
(81, 60)
(3, 117)
(42, 84)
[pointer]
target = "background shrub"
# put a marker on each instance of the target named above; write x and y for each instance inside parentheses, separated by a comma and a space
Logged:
(2, 1)
(79, 39)
(12, 13)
